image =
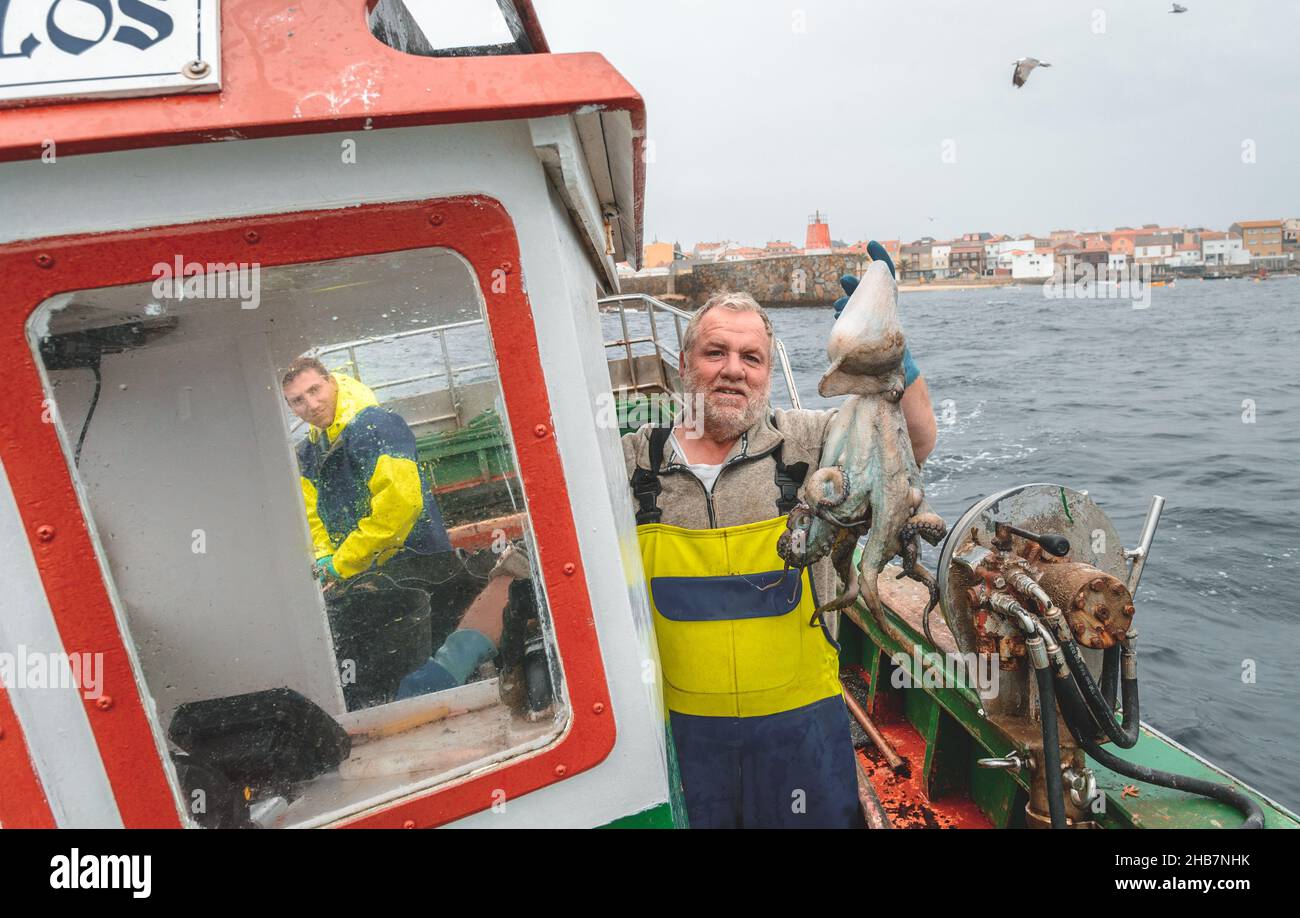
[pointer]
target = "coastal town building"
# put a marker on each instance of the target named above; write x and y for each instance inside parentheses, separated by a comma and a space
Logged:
(1185, 255)
(659, 254)
(709, 251)
(1032, 265)
(1261, 238)
(1154, 248)
(1222, 250)
(1006, 249)
(916, 261)
(939, 254)
(1266, 245)
(966, 258)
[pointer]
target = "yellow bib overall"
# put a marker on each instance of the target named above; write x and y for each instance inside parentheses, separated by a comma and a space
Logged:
(733, 628)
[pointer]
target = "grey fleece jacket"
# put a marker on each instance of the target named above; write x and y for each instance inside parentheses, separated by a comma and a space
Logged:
(746, 490)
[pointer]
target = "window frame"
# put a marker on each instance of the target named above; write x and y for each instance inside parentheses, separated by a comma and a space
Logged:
(478, 228)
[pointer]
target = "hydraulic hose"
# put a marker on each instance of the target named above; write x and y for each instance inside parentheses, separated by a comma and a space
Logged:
(1051, 747)
(1100, 701)
(1078, 719)
(1126, 735)
(1110, 675)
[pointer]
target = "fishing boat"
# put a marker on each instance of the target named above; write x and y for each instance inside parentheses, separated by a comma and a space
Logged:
(192, 208)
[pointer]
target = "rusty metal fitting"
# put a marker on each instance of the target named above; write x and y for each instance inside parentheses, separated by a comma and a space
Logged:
(1007, 605)
(1012, 761)
(1052, 648)
(1037, 652)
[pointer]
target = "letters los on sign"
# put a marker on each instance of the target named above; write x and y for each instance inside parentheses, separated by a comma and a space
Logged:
(71, 49)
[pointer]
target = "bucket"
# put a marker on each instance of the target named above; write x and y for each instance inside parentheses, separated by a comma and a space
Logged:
(384, 630)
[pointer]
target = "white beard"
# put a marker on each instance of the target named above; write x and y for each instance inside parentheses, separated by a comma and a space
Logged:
(722, 422)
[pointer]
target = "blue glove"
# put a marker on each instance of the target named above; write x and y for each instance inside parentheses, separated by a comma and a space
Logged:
(850, 283)
(325, 571)
(876, 252)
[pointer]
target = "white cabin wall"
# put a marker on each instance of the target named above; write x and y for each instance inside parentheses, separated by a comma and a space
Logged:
(157, 187)
(562, 290)
(181, 442)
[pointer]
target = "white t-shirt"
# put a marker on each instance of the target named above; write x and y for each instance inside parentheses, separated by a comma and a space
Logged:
(705, 472)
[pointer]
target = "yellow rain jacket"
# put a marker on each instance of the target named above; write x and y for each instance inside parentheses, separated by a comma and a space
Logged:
(367, 498)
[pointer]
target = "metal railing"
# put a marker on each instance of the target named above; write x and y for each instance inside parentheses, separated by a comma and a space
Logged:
(653, 308)
(447, 370)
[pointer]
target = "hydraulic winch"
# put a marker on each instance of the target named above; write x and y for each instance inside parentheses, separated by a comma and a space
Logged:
(1036, 578)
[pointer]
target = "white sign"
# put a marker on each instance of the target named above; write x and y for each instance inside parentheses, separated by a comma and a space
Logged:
(72, 49)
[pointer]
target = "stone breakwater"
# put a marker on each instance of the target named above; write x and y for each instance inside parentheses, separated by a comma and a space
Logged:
(790, 280)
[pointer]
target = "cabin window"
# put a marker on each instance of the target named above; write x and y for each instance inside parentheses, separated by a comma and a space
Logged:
(329, 580)
(450, 28)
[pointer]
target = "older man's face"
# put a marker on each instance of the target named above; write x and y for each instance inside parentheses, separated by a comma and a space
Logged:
(728, 371)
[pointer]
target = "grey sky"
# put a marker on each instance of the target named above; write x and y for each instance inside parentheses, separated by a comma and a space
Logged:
(756, 125)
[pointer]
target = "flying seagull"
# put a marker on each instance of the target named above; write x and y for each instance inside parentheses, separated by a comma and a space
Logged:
(1023, 67)
(1178, 8)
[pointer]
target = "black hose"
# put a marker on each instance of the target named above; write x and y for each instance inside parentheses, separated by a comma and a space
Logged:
(85, 426)
(1125, 736)
(1110, 675)
(1077, 718)
(1051, 748)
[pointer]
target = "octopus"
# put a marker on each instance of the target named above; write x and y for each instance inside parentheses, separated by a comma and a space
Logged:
(869, 483)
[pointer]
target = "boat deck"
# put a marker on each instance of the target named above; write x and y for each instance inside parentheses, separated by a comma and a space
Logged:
(941, 731)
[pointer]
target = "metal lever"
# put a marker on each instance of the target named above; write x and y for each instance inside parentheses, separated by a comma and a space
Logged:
(1138, 556)
(1052, 544)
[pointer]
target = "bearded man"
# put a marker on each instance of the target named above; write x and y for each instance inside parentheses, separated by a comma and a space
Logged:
(752, 690)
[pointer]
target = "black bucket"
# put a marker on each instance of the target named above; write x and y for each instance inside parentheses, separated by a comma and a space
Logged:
(384, 630)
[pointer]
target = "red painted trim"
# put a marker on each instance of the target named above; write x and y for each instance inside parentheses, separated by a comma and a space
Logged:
(313, 69)
(316, 68)
(22, 798)
(479, 229)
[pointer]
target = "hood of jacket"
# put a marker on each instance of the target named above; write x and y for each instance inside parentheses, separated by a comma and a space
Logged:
(354, 396)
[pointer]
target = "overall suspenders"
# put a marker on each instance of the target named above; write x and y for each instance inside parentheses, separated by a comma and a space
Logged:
(646, 487)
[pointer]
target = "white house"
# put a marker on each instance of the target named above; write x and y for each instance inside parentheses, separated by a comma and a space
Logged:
(1002, 254)
(939, 255)
(1186, 255)
(1032, 265)
(1223, 249)
(1153, 249)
